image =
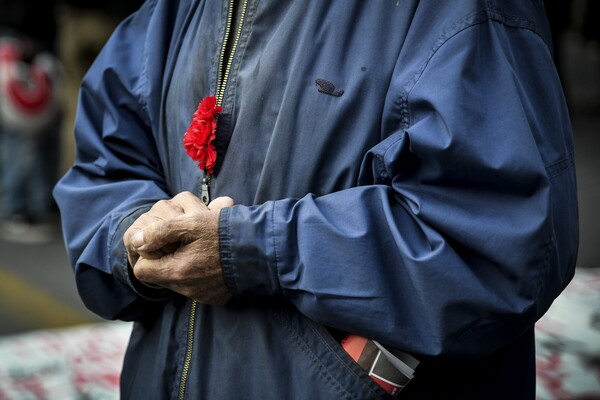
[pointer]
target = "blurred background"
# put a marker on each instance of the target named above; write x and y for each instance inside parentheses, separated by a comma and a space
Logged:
(49, 45)
(46, 47)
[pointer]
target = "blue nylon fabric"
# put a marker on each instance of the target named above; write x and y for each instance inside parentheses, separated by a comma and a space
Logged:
(432, 206)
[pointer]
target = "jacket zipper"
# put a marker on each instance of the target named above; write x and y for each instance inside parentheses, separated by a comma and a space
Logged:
(205, 195)
(224, 70)
(188, 355)
(223, 75)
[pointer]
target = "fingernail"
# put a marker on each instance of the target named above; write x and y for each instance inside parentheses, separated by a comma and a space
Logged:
(138, 239)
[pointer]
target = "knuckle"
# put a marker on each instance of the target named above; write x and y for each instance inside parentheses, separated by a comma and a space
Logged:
(161, 204)
(184, 194)
(165, 207)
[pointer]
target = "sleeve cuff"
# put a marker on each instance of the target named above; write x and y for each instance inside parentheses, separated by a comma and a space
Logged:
(248, 250)
(120, 264)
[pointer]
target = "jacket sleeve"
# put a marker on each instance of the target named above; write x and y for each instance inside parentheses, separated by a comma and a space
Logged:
(463, 226)
(116, 175)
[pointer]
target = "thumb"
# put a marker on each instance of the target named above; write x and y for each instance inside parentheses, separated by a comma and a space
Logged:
(221, 202)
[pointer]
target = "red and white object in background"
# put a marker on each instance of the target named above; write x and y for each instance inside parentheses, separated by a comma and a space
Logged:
(29, 101)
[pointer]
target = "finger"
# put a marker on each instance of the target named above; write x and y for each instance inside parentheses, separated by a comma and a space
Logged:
(186, 273)
(150, 271)
(133, 238)
(142, 221)
(168, 248)
(165, 209)
(182, 229)
(160, 211)
(189, 202)
(221, 202)
(165, 234)
(135, 249)
(168, 271)
(132, 258)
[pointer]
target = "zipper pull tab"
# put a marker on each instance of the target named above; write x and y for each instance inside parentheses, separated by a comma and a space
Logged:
(205, 196)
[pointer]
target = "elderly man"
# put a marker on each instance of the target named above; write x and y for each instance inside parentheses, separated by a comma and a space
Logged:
(398, 171)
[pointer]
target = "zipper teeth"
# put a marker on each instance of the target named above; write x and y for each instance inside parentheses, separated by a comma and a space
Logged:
(188, 355)
(225, 77)
(220, 93)
(223, 47)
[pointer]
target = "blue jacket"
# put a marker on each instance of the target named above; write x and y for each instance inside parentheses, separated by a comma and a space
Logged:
(423, 194)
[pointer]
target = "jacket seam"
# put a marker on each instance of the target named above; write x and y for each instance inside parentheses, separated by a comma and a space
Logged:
(469, 21)
(305, 348)
(550, 249)
(142, 86)
(561, 166)
(275, 251)
(383, 173)
(226, 253)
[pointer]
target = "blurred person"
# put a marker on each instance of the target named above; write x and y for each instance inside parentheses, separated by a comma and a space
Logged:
(395, 171)
(30, 117)
(83, 27)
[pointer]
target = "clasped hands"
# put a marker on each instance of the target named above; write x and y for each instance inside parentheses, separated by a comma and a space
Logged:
(175, 245)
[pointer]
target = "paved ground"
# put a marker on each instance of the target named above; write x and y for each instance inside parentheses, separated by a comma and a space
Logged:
(37, 289)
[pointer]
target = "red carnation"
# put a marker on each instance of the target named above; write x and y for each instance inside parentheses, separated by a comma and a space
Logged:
(198, 138)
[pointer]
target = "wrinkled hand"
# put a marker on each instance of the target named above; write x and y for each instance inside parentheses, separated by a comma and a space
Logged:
(176, 245)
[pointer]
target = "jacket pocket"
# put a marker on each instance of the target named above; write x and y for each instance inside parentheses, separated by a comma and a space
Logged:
(334, 374)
